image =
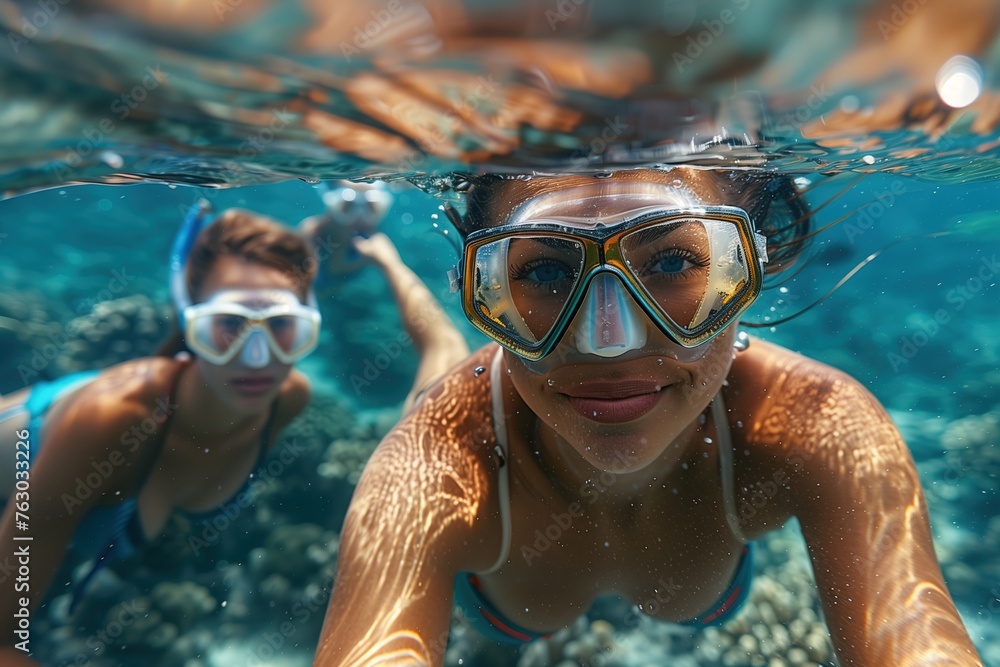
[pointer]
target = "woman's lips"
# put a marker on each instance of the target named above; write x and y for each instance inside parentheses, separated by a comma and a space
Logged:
(610, 402)
(252, 386)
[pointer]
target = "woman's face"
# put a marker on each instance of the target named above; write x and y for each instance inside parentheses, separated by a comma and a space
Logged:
(624, 411)
(244, 388)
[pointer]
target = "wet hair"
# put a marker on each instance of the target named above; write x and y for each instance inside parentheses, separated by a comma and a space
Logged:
(254, 238)
(773, 201)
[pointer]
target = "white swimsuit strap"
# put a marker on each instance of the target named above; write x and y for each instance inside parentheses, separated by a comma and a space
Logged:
(726, 466)
(500, 431)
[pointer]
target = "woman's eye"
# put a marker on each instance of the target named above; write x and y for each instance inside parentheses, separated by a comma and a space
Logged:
(543, 272)
(232, 323)
(671, 264)
(547, 273)
(280, 323)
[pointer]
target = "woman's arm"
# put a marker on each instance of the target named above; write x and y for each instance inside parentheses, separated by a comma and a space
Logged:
(864, 517)
(439, 344)
(411, 527)
(87, 459)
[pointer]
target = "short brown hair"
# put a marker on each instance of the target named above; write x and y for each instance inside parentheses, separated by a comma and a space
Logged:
(250, 236)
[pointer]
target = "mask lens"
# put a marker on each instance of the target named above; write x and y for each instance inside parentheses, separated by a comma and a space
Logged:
(220, 332)
(689, 269)
(216, 334)
(291, 333)
(522, 284)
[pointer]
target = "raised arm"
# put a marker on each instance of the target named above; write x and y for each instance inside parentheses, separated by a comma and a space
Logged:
(415, 521)
(437, 341)
(864, 517)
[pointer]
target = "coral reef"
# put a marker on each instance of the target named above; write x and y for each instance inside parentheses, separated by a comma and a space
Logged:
(113, 332)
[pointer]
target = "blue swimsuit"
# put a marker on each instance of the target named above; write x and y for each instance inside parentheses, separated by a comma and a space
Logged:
(491, 623)
(112, 532)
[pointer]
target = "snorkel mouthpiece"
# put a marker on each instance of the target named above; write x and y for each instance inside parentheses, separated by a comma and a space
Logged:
(610, 323)
(255, 352)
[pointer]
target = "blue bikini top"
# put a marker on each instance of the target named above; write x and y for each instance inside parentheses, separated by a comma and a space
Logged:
(115, 532)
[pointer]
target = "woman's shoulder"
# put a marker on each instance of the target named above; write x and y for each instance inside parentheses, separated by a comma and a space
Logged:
(440, 452)
(294, 396)
(129, 390)
(467, 384)
(768, 375)
(768, 361)
(449, 434)
(112, 421)
(790, 402)
(802, 425)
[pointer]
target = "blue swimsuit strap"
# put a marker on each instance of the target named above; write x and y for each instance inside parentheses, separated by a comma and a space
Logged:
(128, 534)
(485, 618)
(492, 624)
(735, 596)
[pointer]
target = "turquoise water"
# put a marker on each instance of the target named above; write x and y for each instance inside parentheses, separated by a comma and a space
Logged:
(238, 95)
(63, 249)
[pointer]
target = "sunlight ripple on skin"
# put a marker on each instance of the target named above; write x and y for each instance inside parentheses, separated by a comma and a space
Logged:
(446, 487)
(885, 509)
